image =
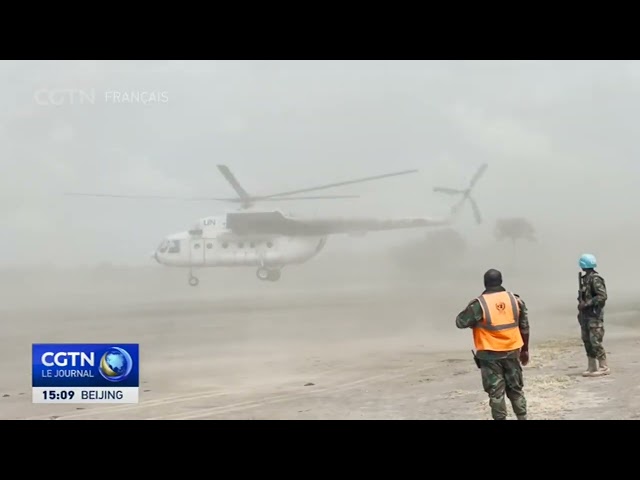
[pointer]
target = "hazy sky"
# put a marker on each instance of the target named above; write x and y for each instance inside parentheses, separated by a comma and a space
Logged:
(560, 137)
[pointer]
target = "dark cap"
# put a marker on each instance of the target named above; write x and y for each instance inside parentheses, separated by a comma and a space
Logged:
(492, 278)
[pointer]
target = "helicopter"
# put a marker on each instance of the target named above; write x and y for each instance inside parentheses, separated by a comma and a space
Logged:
(269, 240)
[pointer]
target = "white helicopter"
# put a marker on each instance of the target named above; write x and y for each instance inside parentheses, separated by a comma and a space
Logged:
(270, 240)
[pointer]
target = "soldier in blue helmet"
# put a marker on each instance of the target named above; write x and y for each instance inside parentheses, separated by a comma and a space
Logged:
(592, 296)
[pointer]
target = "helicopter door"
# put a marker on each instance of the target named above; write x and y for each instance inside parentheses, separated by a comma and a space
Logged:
(196, 251)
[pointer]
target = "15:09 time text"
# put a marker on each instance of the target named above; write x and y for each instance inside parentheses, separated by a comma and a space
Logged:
(58, 394)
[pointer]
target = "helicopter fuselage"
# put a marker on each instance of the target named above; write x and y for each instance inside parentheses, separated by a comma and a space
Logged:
(212, 244)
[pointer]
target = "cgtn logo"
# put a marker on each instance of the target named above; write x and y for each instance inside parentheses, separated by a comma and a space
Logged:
(64, 96)
(86, 372)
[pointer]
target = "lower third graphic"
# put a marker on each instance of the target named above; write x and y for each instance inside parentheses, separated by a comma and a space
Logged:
(85, 373)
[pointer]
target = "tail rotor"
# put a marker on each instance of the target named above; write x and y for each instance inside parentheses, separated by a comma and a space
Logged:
(466, 194)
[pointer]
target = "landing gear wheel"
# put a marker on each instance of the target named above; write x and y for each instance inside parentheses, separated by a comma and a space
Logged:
(263, 274)
(193, 281)
(274, 275)
(266, 274)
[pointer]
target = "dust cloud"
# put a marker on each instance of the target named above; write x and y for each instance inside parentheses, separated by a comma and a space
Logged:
(558, 138)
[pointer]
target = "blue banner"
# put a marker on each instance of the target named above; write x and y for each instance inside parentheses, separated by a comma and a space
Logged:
(85, 365)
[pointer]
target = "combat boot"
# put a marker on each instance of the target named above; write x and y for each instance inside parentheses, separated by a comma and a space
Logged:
(522, 417)
(592, 369)
(603, 367)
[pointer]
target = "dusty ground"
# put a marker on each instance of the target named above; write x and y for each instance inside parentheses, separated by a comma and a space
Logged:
(325, 348)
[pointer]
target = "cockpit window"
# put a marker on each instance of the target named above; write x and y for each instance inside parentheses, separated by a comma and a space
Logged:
(163, 246)
(174, 246)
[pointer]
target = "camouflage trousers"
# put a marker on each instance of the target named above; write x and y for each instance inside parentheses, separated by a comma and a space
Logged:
(592, 332)
(500, 377)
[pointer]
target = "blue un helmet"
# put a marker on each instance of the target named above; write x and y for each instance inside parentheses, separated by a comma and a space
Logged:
(588, 261)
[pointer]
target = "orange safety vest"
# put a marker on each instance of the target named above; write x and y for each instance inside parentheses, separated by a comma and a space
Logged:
(499, 329)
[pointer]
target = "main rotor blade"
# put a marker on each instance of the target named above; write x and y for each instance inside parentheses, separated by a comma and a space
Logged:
(244, 196)
(161, 197)
(204, 199)
(321, 197)
(478, 174)
(338, 184)
(451, 191)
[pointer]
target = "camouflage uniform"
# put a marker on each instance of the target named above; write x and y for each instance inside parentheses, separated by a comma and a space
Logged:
(501, 372)
(593, 292)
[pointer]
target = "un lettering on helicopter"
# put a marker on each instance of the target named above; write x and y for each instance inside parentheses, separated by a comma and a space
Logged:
(269, 240)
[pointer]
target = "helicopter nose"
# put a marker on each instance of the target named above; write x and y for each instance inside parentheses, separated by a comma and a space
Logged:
(154, 255)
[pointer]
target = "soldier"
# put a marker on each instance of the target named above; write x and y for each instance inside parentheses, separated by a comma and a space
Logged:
(500, 327)
(592, 296)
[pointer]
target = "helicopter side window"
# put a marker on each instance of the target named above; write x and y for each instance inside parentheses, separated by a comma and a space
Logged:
(163, 246)
(174, 246)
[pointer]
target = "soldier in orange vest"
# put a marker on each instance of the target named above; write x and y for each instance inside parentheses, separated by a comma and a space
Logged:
(500, 325)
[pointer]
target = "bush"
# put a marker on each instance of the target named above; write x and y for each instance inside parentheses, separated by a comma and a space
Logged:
(437, 248)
